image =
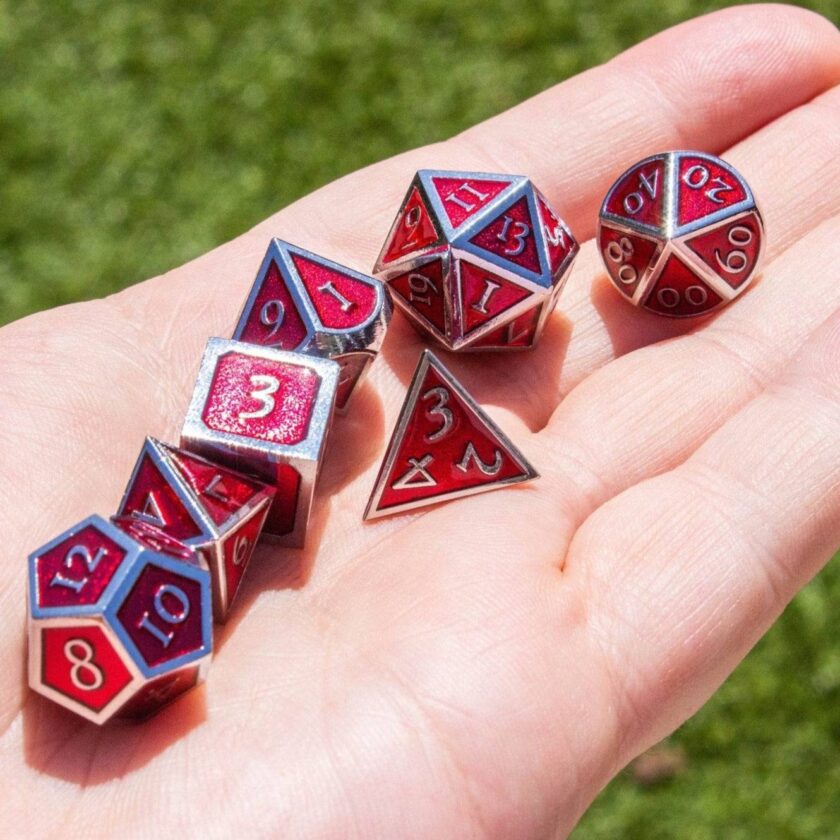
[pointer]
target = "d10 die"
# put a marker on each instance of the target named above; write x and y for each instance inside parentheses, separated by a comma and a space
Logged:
(475, 260)
(680, 234)
(303, 302)
(265, 412)
(115, 628)
(443, 447)
(215, 511)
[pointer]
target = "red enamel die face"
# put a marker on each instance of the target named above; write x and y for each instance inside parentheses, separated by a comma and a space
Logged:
(680, 234)
(265, 412)
(471, 254)
(444, 446)
(301, 301)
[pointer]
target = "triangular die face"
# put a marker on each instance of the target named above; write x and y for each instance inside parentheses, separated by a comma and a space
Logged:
(463, 196)
(272, 317)
(413, 230)
(220, 492)
(151, 498)
(560, 243)
(731, 250)
(628, 257)
(705, 188)
(484, 296)
(444, 446)
(679, 292)
(640, 194)
(422, 290)
(342, 301)
(511, 237)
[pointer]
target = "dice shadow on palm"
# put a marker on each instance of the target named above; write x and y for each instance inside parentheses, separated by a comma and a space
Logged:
(521, 381)
(60, 744)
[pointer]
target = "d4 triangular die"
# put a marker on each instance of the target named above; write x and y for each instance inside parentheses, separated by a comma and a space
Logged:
(303, 302)
(443, 447)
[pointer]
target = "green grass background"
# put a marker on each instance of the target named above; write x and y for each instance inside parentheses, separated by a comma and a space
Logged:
(135, 135)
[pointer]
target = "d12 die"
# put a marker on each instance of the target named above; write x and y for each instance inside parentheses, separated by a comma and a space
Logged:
(303, 302)
(443, 447)
(113, 627)
(680, 234)
(215, 511)
(265, 412)
(476, 260)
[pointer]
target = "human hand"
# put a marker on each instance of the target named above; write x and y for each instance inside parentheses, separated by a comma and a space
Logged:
(483, 668)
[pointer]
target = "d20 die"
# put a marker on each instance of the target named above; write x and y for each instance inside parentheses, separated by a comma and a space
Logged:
(303, 302)
(215, 511)
(680, 234)
(443, 447)
(476, 260)
(265, 412)
(109, 620)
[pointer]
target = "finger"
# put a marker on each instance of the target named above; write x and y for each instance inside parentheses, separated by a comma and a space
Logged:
(686, 571)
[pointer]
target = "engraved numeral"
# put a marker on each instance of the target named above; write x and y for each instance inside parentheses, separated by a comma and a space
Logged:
(648, 183)
(331, 290)
(464, 205)
(417, 476)
(521, 232)
(264, 389)
(78, 552)
(166, 614)
(439, 410)
(83, 664)
(489, 288)
(555, 236)
(421, 289)
(151, 512)
(619, 252)
(471, 456)
(736, 259)
(411, 222)
(670, 298)
(696, 177)
(240, 550)
(272, 315)
(215, 489)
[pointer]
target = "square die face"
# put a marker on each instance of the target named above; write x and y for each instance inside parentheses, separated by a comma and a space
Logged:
(262, 399)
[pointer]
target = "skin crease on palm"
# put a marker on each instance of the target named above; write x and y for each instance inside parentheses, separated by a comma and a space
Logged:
(480, 669)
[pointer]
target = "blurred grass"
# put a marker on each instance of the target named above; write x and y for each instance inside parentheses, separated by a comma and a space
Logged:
(137, 135)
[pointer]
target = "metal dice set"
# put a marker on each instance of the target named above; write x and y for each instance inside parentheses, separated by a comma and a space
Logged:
(121, 609)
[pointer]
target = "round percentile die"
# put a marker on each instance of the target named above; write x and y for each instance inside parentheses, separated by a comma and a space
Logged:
(680, 234)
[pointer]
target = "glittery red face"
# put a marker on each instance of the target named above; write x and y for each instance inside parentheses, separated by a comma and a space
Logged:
(261, 399)
(680, 234)
(77, 571)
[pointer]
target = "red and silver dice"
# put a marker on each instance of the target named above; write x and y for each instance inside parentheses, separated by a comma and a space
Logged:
(680, 234)
(217, 512)
(477, 261)
(267, 413)
(115, 628)
(306, 303)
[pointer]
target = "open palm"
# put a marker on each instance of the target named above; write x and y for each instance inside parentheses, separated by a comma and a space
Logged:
(483, 668)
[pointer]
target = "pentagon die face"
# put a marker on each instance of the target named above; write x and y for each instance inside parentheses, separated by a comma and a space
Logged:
(476, 260)
(443, 447)
(265, 412)
(301, 301)
(680, 234)
(115, 629)
(198, 504)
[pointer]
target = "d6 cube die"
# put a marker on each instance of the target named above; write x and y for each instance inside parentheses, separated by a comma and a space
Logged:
(215, 511)
(265, 412)
(680, 234)
(476, 260)
(303, 302)
(115, 628)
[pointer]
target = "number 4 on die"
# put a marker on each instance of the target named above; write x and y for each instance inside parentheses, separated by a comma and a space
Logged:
(443, 447)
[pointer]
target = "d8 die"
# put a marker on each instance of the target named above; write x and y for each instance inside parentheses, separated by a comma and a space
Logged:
(215, 511)
(303, 302)
(475, 260)
(680, 234)
(115, 628)
(265, 412)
